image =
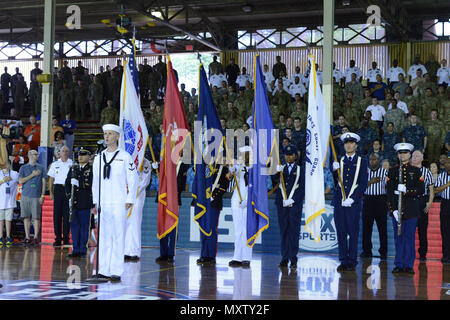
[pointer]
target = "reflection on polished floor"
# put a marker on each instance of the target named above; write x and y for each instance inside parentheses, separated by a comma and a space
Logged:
(47, 273)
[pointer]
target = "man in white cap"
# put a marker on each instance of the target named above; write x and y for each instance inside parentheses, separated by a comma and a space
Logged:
(114, 189)
(347, 201)
(410, 188)
(242, 252)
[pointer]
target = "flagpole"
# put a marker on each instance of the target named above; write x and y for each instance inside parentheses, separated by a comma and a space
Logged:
(338, 170)
(153, 155)
(234, 174)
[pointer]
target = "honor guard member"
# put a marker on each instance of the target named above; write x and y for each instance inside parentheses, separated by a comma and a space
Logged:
(411, 188)
(242, 253)
(289, 202)
(426, 200)
(57, 180)
(222, 178)
(167, 244)
(134, 219)
(375, 208)
(80, 178)
(348, 202)
(443, 185)
(114, 188)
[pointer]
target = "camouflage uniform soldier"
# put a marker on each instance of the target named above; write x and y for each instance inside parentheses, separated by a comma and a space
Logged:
(300, 113)
(109, 114)
(284, 99)
(242, 104)
(232, 96)
(95, 97)
(80, 96)
(396, 116)
(432, 67)
(275, 113)
(234, 122)
(435, 130)
(367, 101)
(157, 117)
(355, 87)
(352, 115)
(191, 116)
(216, 96)
(428, 84)
(337, 108)
(429, 102)
(65, 99)
(411, 101)
(337, 90)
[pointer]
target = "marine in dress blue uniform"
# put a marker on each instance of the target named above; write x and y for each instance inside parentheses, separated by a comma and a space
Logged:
(412, 186)
(347, 210)
(289, 204)
(82, 203)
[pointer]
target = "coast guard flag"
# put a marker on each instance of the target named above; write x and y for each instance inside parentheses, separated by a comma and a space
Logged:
(204, 177)
(262, 146)
(134, 136)
(176, 132)
(317, 138)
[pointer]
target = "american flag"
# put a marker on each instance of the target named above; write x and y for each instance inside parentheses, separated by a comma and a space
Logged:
(133, 69)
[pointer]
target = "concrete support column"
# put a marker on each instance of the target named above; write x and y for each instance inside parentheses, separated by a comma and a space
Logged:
(45, 150)
(327, 62)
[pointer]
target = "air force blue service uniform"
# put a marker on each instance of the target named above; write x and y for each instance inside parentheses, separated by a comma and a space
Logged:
(347, 211)
(289, 216)
(82, 205)
(413, 182)
(209, 244)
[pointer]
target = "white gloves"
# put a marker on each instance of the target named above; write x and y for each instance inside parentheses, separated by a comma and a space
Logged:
(395, 213)
(401, 188)
(280, 168)
(74, 182)
(243, 204)
(348, 202)
(336, 166)
(155, 165)
(288, 202)
(234, 168)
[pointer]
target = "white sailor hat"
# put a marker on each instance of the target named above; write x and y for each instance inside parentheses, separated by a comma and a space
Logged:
(399, 147)
(245, 149)
(350, 136)
(112, 127)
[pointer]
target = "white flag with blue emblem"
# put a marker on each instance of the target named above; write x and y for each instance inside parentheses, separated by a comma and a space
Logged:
(317, 136)
(134, 135)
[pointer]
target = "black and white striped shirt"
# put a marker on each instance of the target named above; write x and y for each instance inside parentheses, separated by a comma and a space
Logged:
(379, 188)
(427, 179)
(441, 180)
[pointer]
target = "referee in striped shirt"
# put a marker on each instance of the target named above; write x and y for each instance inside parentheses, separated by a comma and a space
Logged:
(375, 208)
(443, 185)
(426, 200)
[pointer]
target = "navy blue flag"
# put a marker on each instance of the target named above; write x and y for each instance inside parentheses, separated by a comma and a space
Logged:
(204, 172)
(133, 69)
(263, 149)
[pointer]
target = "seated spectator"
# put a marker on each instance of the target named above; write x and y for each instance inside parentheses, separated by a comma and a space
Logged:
(378, 89)
(56, 128)
(20, 153)
(33, 133)
(57, 145)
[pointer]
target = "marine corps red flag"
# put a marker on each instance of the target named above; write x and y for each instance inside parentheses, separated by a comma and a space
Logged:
(175, 133)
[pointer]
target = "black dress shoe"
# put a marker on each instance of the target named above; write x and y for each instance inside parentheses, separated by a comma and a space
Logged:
(202, 260)
(397, 270)
(365, 255)
(234, 263)
(170, 259)
(341, 267)
(293, 265)
(423, 258)
(134, 258)
(245, 264)
(98, 278)
(283, 264)
(114, 279)
(73, 255)
(409, 270)
(126, 258)
(383, 257)
(350, 268)
(161, 259)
